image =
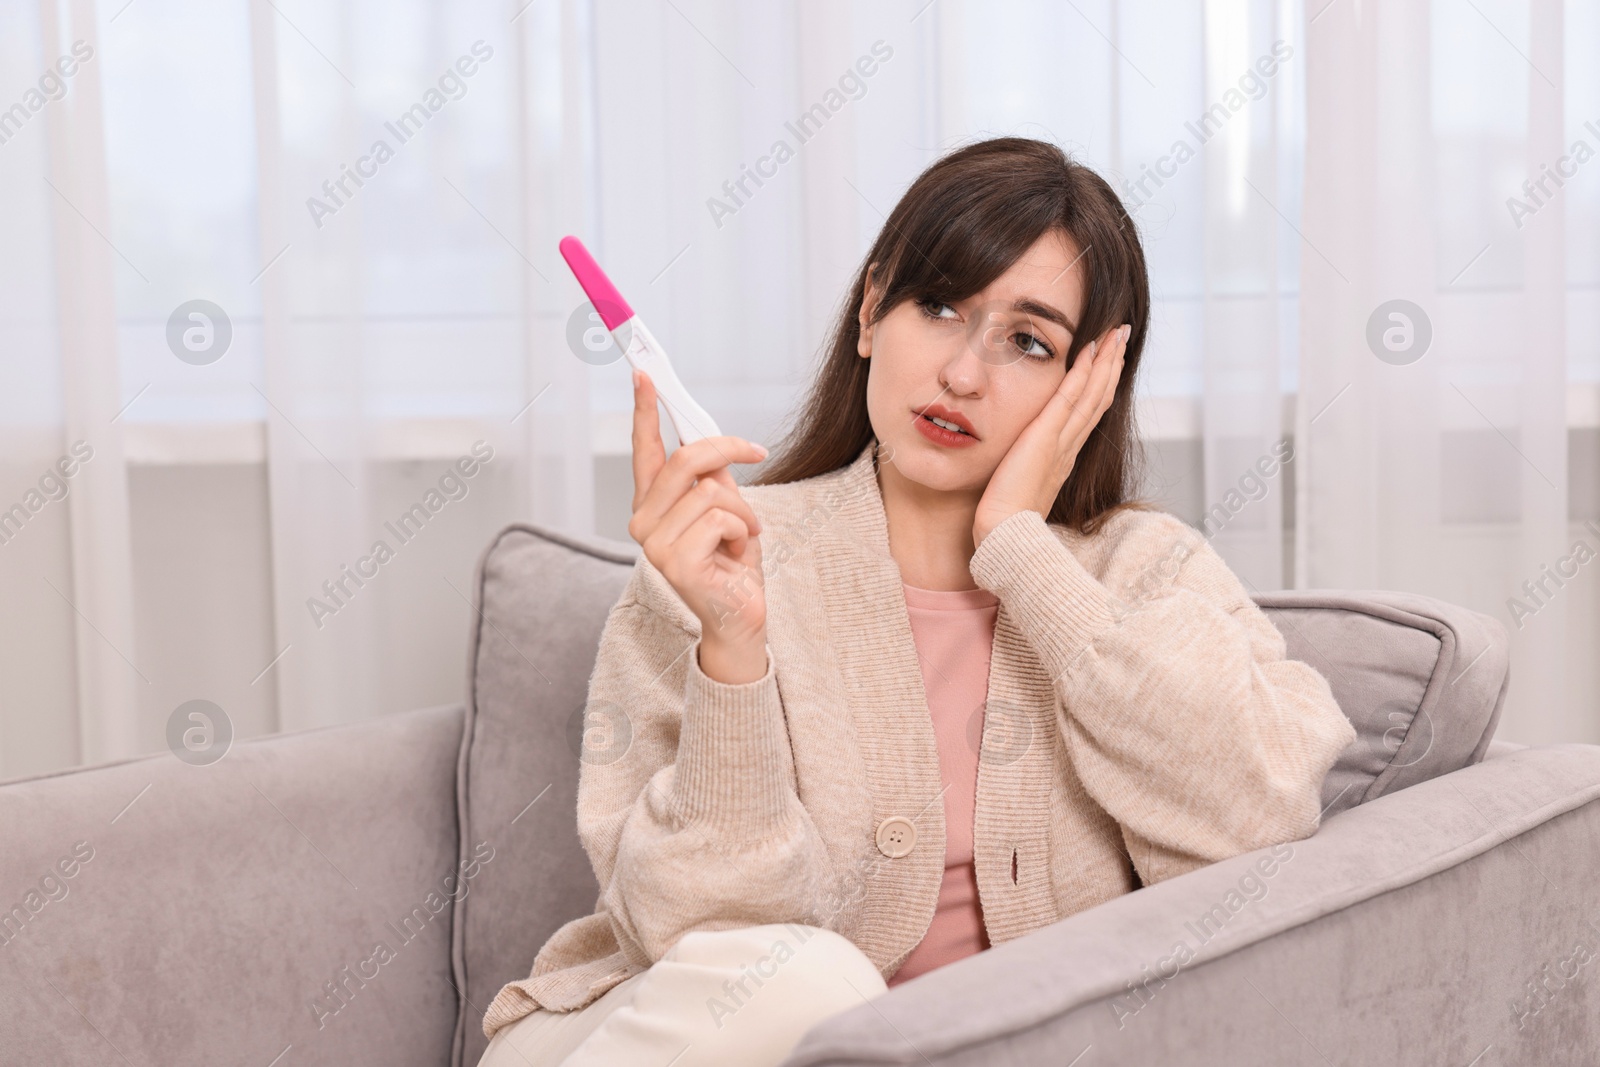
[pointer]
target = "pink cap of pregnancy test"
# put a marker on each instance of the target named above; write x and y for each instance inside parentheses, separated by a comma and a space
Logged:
(614, 311)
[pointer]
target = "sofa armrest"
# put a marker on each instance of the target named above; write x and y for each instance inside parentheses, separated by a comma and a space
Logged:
(1407, 930)
(228, 912)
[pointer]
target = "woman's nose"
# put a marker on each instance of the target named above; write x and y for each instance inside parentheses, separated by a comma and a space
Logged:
(965, 371)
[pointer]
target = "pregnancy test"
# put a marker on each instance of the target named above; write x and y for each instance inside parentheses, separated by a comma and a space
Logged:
(689, 419)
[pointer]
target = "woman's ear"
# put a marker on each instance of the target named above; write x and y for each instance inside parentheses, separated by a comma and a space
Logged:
(869, 303)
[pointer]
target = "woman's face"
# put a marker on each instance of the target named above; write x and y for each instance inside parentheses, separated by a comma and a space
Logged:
(988, 363)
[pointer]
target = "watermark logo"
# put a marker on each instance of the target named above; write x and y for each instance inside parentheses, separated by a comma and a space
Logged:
(1545, 986)
(1253, 485)
(851, 85)
(999, 732)
(452, 485)
(52, 86)
(52, 487)
(1406, 724)
(588, 337)
(199, 332)
(339, 190)
(1399, 332)
(1250, 86)
(1540, 591)
(599, 732)
(752, 976)
(1000, 335)
(1251, 888)
(50, 889)
(349, 981)
(199, 732)
(1538, 191)
(779, 548)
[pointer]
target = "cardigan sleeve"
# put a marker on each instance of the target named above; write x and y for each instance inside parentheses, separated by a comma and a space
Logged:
(689, 811)
(1179, 709)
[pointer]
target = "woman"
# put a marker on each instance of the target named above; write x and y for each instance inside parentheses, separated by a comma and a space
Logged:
(933, 681)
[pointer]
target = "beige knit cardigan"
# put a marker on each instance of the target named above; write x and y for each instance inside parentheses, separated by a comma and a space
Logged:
(1142, 720)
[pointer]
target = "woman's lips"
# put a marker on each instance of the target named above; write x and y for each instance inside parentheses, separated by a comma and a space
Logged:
(941, 436)
(956, 418)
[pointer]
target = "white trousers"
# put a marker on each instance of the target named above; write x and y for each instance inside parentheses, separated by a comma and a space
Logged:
(740, 996)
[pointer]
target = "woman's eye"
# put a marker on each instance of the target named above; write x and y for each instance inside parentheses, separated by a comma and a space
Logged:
(1032, 347)
(935, 310)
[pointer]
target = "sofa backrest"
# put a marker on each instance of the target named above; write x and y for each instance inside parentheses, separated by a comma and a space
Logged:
(1422, 680)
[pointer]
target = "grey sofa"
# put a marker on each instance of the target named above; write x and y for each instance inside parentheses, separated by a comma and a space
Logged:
(357, 895)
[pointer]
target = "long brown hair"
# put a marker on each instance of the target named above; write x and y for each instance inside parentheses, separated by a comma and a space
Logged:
(962, 224)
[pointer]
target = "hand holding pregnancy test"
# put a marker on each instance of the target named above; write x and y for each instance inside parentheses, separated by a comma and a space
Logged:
(688, 515)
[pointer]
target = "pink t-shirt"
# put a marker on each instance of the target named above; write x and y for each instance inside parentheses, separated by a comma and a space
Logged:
(954, 634)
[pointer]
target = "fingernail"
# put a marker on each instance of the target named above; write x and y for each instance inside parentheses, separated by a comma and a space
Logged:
(761, 451)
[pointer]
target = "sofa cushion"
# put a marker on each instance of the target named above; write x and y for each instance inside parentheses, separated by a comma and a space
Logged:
(1421, 680)
(541, 599)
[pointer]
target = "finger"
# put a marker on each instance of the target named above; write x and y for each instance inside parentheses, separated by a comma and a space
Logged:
(1108, 372)
(703, 496)
(1077, 382)
(1114, 371)
(1105, 360)
(725, 479)
(664, 539)
(725, 476)
(1083, 405)
(1102, 383)
(1059, 406)
(649, 454)
(1082, 363)
(708, 533)
(690, 463)
(1093, 356)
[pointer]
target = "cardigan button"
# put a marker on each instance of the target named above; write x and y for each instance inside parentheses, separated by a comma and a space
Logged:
(897, 836)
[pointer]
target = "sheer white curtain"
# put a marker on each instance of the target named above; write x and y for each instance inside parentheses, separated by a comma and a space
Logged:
(70, 686)
(1445, 469)
(392, 317)
(418, 163)
(1290, 169)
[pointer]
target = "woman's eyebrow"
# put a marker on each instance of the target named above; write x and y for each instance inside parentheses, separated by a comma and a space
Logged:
(1029, 306)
